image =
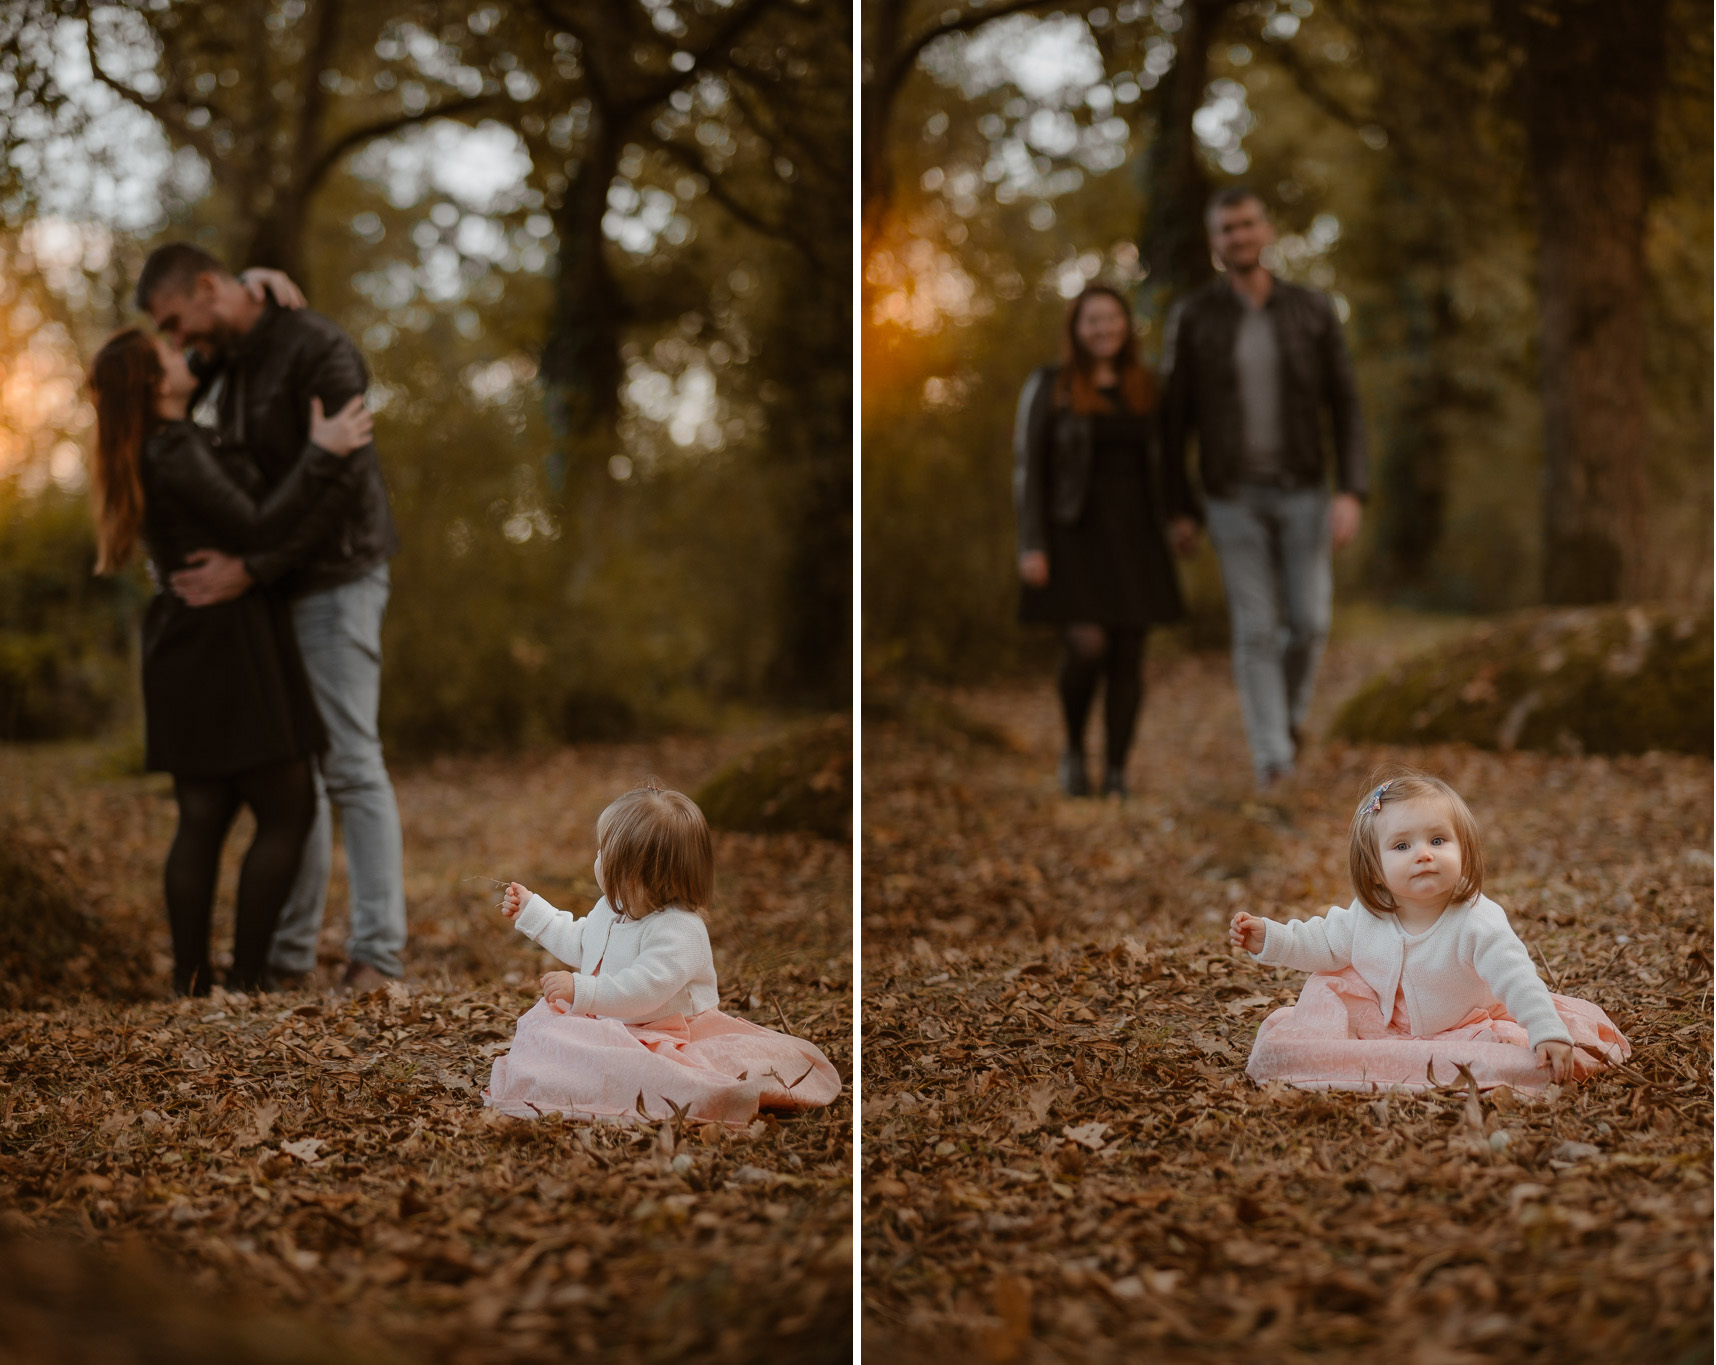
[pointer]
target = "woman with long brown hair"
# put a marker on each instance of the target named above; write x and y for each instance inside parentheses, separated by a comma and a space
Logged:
(227, 706)
(1093, 555)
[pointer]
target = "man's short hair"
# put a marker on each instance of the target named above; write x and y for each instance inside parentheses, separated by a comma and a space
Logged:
(1232, 197)
(174, 268)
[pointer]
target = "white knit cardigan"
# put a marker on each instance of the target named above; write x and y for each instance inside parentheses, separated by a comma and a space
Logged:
(657, 965)
(1470, 958)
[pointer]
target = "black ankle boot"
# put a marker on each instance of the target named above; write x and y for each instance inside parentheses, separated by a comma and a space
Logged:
(1114, 780)
(1074, 780)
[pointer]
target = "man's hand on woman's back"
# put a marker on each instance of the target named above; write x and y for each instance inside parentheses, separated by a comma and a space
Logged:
(213, 578)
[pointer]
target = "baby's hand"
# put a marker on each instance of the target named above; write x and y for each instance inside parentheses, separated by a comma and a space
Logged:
(1558, 1057)
(559, 986)
(1246, 931)
(515, 899)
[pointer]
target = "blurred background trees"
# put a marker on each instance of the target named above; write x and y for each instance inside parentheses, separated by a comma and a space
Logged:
(598, 257)
(1510, 203)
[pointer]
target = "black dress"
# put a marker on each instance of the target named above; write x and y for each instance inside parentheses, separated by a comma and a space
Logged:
(224, 687)
(1112, 566)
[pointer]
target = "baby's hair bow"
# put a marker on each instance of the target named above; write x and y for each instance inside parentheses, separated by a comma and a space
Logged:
(1376, 796)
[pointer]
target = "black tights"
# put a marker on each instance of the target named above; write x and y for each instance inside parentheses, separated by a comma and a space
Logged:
(1111, 654)
(282, 797)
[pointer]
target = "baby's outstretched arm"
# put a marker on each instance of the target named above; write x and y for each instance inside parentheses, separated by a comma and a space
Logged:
(1247, 932)
(560, 933)
(1323, 943)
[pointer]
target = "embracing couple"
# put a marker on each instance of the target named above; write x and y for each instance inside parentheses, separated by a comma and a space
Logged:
(267, 534)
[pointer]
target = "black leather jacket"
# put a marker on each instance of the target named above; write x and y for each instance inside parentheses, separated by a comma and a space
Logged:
(1052, 451)
(1202, 394)
(263, 386)
(198, 498)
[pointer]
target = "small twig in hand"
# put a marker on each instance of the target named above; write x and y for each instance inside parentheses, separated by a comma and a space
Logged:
(492, 882)
(1614, 1062)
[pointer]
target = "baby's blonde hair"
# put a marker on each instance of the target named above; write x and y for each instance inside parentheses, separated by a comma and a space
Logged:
(1364, 858)
(655, 852)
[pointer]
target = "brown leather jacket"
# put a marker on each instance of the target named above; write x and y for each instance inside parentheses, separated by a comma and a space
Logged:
(265, 383)
(1202, 395)
(198, 498)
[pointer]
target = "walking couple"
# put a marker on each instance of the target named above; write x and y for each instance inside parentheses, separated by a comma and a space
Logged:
(267, 535)
(1255, 369)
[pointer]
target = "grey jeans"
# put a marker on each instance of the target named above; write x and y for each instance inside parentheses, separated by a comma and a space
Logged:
(339, 635)
(1273, 545)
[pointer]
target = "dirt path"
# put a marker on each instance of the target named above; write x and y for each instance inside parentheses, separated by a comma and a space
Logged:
(332, 1163)
(1062, 1158)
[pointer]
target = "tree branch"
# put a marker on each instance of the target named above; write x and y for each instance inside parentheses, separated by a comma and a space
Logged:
(195, 137)
(781, 135)
(355, 137)
(600, 94)
(1311, 85)
(887, 85)
(729, 201)
(724, 36)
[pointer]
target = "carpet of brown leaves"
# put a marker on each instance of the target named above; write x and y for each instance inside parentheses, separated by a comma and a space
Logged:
(1062, 1158)
(330, 1162)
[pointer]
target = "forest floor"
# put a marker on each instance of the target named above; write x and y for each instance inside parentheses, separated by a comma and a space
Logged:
(329, 1164)
(1062, 1158)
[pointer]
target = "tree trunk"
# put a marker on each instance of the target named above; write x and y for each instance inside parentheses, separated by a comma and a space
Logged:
(277, 233)
(277, 239)
(886, 34)
(1174, 245)
(1412, 477)
(581, 365)
(1590, 87)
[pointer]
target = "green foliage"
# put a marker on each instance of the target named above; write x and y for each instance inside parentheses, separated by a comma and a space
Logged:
(520, 618)
(65, 636)
(801, 782)
(1606, 680)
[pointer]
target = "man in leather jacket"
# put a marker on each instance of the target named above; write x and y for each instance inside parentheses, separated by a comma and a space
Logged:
(264, 364)
(1258, 372)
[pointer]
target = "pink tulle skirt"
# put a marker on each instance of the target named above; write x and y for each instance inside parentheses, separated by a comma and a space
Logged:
(712, 1066)
(1336, 1038)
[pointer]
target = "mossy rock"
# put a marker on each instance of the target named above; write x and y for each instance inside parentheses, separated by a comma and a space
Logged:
(50, 943)
(801, 782)
(1598, 680)
(931, 717)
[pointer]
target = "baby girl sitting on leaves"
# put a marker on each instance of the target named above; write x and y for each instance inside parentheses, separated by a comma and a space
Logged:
(1422, 973)
(636, 1020)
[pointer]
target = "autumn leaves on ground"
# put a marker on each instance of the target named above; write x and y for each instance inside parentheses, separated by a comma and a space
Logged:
(1062, 1159)
(295, 1179)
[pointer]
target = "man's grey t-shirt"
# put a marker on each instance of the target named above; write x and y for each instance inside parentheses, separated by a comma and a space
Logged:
(1257, 365)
